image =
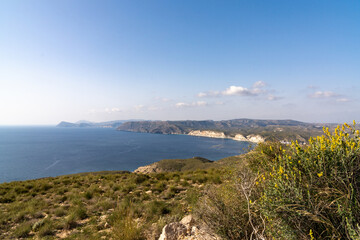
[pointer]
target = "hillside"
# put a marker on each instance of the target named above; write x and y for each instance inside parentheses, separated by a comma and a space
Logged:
(102, 205)
(316, 188)
(110, 124)
(280, 130)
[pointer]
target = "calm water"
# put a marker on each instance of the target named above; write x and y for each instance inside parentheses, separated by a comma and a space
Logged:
(35, 152)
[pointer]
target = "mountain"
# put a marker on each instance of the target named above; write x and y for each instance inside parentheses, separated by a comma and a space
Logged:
(83, 123)
(280, 130)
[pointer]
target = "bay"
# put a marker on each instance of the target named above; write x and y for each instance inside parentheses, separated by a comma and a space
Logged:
(36, 152)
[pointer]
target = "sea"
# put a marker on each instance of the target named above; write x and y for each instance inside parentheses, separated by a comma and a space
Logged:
(37, 152)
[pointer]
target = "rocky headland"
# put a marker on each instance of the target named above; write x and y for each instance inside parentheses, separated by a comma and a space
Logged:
(251, 130)
(238, 137)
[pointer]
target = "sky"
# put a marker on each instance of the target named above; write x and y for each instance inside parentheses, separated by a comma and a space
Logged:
(70, 60)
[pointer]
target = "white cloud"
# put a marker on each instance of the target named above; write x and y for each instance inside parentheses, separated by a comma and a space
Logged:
(115, 110)
(193, 104)
(271, 97)
(110, 110)
(201, 103)
(329, 95)
(209, 94)
(259, 84)
(342, 100)
(161, 99)
(181, 104)
(237, 90)
(324, 94)
(257, 89)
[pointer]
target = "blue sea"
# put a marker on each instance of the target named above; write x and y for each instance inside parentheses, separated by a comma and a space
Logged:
(36, 152)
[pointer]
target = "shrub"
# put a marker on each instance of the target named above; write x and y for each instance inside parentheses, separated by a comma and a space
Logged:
(141, 178)
(70, 222)
(158, 208)
(88, 195)
(46, 229)
(123, 223)
(313, 190)
(23, 230)
(226, 208)
(59, 212)
(80, 213)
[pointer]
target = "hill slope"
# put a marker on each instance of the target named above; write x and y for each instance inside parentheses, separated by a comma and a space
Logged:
(281, 130)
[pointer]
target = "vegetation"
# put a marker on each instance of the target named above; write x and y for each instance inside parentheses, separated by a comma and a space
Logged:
(174, 165)
(275, 191)
(121, 205)
(292, 192)
(270, 130)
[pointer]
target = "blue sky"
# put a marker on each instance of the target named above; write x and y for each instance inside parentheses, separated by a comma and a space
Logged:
(175, 60)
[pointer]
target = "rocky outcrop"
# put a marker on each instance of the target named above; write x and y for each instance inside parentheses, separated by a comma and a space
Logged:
(255, 138)
(238, 137)
(249, 138)
(211, 134)
(152, 168)
(187, 229)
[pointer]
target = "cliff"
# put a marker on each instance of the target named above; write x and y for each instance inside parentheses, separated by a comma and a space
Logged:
(238, 137)
(211, 134)
(251, 130)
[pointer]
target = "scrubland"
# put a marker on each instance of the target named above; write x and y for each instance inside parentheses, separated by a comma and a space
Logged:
(274, 191)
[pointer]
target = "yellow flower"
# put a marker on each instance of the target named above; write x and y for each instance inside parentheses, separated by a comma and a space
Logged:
(311, 234)
(320, 174)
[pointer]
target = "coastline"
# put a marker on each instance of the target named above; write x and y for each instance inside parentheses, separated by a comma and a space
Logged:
(238, 137)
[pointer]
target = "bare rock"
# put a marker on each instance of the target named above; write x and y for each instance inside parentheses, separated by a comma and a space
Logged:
(152, 168)
(187, 229)
(173, 231)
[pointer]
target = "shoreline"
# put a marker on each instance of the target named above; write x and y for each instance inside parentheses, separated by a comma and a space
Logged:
(238, 137)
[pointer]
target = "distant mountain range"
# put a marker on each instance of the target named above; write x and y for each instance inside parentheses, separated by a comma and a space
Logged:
(273, 130)
(238, 129)
(84, 123)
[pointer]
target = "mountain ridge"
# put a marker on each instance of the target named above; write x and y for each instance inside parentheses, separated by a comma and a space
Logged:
(270, 130)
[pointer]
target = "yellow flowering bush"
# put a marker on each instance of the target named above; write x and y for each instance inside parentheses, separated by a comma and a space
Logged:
(311, 191)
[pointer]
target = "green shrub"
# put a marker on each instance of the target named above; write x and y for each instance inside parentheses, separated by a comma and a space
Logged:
(159, 208)
(88, 195)
(140, 178)
(59, 212)
(46, 229)
(23, 230)
(123, 222)
(70, 222)
(80, 213)
(313, 190)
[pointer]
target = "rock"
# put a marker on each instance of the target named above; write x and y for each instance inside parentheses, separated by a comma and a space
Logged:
(255, 138)
(173, 231)
(187, 229)
(211, 134)
(188, 221)
(240, 137)
(152, 168)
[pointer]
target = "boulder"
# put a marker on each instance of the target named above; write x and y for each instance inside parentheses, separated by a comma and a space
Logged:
(187, 229)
